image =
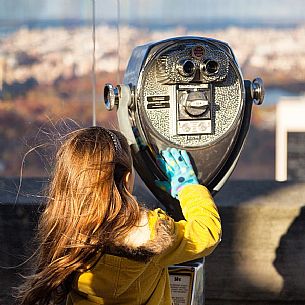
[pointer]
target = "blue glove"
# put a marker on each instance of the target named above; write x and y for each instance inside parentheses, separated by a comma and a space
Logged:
(178, 169)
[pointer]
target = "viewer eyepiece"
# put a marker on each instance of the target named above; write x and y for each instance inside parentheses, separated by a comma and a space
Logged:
(210, 67)
(186, 67)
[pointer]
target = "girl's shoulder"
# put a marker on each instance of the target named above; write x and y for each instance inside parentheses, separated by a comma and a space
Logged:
(157, 218)
(162, 229)
(152, 236)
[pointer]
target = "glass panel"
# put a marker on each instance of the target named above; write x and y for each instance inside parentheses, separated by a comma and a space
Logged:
(46, 65)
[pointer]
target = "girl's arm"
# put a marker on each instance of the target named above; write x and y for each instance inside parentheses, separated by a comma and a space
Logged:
(200, 232)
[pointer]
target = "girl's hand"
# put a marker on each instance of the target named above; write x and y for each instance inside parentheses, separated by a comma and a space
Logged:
(178, 169)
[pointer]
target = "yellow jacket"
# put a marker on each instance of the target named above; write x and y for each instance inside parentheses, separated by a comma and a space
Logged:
(123, 281)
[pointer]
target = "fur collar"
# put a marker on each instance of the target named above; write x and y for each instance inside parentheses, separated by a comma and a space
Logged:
(138, 244)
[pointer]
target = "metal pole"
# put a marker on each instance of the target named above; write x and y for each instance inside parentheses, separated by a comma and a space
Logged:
(93, 76)
(118, 41)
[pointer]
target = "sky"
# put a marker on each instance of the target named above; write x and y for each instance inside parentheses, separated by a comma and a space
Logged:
(154, 10)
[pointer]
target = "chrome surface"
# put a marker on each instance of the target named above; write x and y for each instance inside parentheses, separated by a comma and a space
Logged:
(111, 96)
(188, 93)
(258, 91)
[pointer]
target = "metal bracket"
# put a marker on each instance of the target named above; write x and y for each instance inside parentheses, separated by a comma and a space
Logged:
(120, 97)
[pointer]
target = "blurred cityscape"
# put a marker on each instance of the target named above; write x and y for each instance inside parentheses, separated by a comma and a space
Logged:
(45, 75)
(47, 55)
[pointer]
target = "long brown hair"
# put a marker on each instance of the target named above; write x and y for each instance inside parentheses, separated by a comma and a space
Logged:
(89, 207)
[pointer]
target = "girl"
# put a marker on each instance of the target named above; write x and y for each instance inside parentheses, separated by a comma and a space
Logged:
(97, 244)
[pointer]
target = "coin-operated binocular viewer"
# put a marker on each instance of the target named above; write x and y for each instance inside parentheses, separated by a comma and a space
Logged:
(188, 93)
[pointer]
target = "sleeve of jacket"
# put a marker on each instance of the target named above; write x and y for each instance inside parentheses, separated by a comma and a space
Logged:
(198, 235)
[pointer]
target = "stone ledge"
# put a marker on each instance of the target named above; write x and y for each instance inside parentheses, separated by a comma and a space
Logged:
(261, 256)
(259, 261)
